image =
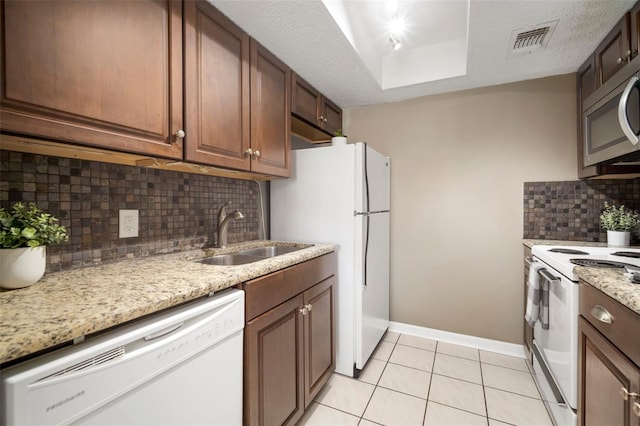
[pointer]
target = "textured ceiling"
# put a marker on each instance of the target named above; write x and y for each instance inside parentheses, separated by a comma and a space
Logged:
(304, 35)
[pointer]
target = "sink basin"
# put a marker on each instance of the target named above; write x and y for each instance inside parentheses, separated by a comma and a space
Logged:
(248, 256)
(270, 251)
(230, 259)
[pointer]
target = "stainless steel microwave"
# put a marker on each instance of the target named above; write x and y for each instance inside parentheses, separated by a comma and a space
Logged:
(611, 119)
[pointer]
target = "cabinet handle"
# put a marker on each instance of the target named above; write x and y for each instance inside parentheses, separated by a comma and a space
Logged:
(308, 307)
(321, 118)
(256, 154)
(249, 152)
(636, 409)
(601, 314)
(304, 310)
(325, 120)
(625, 394)
(180, 134)
(619, 61)
(627, 54)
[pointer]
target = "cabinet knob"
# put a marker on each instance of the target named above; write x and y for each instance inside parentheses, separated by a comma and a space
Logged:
(625, 394)
(308, 307)
(627, 54)
(321, 118)
(256, 154)
(248, 152)
(619, 60)
(325, 120)
(304, 311)
(601, 314)
(636, 409)
(180, 134)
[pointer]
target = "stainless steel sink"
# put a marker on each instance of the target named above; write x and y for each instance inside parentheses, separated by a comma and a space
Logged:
(270, 251)
(230, 259)
(248, 256)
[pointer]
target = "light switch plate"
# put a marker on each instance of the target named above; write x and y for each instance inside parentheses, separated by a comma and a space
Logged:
(128, 224)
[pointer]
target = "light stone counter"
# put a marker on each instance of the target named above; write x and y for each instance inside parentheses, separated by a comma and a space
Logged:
(66, 305)
(611, 282)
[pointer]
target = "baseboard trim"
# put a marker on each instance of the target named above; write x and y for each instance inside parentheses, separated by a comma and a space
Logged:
(505, 348)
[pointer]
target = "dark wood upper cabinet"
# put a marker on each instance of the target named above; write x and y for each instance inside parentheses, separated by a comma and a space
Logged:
(321, 116)
(586, 86)
(99, 73)
(614, 51)
(270, 113)
(217, 100)
(634, 17)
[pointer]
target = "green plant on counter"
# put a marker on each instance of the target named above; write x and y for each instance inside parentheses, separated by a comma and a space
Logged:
(28, 226)
(340, 133)
(618, 218)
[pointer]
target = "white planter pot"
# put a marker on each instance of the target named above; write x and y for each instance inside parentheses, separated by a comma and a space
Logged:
(618, 238)
(338, 140)
(21, 267)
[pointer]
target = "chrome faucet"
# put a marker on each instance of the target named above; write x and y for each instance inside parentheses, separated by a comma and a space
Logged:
(223, 223)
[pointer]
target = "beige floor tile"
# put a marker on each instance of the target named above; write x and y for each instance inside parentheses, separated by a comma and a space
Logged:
(516, 409)
(458, 368)
(503, 360)
(321, 415)
(365, 422)
(406, 380)
(372, 371)
(346, 394)
(412, 357)
(459, 351)
(390, 408)
(390, 337)
(442, 415)
(493, 422)
(458, 394)
(383, 351)
(515, 381)
(417, 342)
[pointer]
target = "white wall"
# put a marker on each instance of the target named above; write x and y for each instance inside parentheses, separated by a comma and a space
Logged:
(458, 165)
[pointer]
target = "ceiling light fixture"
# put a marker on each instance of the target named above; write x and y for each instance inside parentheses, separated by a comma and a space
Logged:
(395, 42)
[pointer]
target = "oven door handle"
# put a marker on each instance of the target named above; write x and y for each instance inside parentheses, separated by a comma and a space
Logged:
(548, 276)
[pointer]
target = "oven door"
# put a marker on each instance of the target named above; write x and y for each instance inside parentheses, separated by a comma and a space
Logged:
(558, 346)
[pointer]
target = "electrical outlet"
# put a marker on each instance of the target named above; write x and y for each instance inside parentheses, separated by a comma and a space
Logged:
(128, 224)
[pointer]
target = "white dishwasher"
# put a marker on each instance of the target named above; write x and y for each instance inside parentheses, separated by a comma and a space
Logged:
(182, 366)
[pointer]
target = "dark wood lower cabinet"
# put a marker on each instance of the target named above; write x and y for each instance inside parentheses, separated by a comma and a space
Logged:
(609, 361)
(289, 350)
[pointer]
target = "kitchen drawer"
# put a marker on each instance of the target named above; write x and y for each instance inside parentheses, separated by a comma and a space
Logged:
(267, 292)
(625, 323)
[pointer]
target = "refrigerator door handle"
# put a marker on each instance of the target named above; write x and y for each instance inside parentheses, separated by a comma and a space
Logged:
(356, 213)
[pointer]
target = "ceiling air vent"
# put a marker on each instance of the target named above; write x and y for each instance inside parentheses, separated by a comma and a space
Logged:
(530, 39)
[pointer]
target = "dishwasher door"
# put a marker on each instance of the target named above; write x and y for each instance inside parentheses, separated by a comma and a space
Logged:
(182, 366)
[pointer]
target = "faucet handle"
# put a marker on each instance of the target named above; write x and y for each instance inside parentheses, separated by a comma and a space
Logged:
(222, 212)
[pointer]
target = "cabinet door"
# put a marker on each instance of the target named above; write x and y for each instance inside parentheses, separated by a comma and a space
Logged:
(586, 86)
(332, 116)
(612, 54)
(217, 88)
(527, 329)
(99, 73)
(604, 372)
(274, 376)
(319, 338)
(635, 29)
(270, 112)
(306, 102)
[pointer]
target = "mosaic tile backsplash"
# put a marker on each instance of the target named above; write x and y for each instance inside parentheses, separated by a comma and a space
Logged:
(177, 211)
(571, 210)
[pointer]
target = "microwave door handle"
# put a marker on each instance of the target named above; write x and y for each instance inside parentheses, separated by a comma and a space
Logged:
(622, 111)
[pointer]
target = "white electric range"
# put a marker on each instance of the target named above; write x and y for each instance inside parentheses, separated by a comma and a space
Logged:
(555, 349)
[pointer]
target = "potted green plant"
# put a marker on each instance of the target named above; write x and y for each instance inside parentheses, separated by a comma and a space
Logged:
(339, 138)
(619, 222)
(25, 231)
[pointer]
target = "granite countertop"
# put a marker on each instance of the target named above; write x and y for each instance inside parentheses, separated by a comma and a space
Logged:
(67, 305)
(611, 282)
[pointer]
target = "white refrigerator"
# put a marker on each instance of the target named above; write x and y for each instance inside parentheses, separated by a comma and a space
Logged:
(340, 194)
